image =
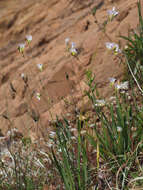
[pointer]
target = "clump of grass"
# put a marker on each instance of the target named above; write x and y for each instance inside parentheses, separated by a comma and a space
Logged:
(119, 138)
(118, 142)
(70, 156)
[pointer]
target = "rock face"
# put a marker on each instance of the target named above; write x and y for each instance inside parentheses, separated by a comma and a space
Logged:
(49, 23)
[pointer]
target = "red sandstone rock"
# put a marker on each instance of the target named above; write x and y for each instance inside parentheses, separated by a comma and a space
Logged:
(49, 23)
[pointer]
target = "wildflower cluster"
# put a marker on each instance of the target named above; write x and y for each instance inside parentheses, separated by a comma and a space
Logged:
(29, 38)
(38, 96)
(112, 81)
(119, 129)
(71, 47)
(112, 13)
(119, 85)
(122, 85)
(113, 47)
(21, 46)
(100, 103)
(40, 66)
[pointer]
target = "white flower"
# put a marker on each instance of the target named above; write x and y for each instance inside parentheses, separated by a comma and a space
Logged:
(40, 66)
(67, 41)
(52, 134)
(119, 129)
(22, 75)
(112, 13)
(12, 132)
(113, 46)
(109, 45)
(112, 80)
(116, 48)
(122, 86)
(38, 95)
(126, 47)
(100, 103)
(73, 51)
(73, 45)
(71, 48)
(29, 38)
(21, 47)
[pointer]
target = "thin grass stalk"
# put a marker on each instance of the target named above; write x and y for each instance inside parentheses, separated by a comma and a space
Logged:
(98, 155)
(139, 87)
(78, 154)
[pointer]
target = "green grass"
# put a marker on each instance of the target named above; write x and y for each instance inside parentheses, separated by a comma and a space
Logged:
(72, 161)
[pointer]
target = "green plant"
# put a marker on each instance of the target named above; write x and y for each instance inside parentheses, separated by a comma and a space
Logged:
(72, 161)
(120, 135)
(134, 48)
